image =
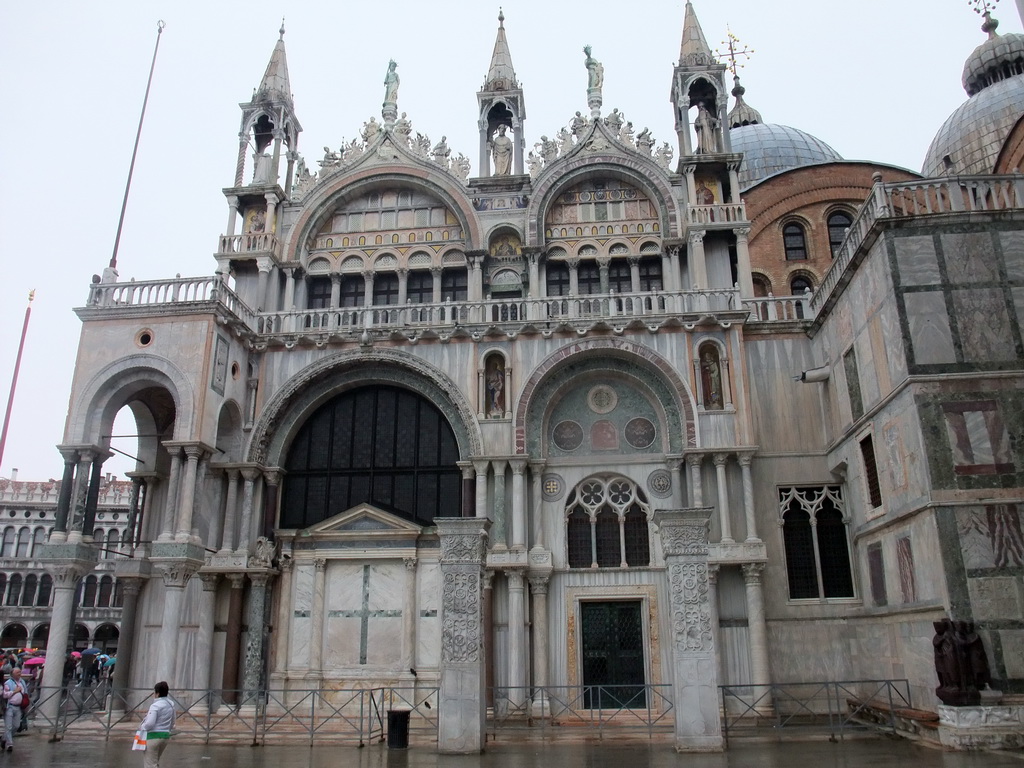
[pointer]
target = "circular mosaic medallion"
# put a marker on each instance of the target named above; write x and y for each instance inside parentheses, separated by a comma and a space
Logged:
(552, 487)
(567, 435)
(659, 483)
(640, 432)
(602, 399)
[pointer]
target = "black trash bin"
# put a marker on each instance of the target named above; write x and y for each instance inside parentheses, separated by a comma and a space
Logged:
(398, 728)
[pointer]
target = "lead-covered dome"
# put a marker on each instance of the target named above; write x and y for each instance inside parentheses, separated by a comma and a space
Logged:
(970, 140)
(769, 149)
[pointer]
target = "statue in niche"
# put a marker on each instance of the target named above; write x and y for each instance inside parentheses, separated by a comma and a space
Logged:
(711, 378)
(595, 70)
(391, 83)
(495, 379)
(261, 169)
(501, 152)
(403, 129)
(706, 126)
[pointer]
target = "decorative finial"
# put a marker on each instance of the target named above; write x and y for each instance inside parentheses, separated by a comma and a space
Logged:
(501, 17)
(282, 28)
(984, 9)
(31, 295)
(733, 52)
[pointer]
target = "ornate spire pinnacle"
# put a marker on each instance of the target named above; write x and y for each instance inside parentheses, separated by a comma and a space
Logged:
(694, 49)
(501, 76)
(742, 113)
(275, 84)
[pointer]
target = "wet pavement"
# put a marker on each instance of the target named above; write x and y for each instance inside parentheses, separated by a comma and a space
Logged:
(36, 752)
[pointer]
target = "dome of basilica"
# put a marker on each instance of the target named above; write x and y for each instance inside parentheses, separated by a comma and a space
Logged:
(769, 149)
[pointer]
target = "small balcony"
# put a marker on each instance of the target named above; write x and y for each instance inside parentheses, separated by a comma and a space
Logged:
(716, 216)
(249, 245)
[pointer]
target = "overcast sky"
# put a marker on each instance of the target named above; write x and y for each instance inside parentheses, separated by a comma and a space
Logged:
(874, 79)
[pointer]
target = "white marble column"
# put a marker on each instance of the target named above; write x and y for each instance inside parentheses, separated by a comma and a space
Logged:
(518, 503)
(481, 486)
(537, 497)
(499, 534)
(696, 494)
(517, 694)
(713, 570)
(256, 636)
(176, 576)
(539, 591)
(409, 615)
(227, 542)
(316, 622)
(743, 273)
(757, 628)
(745, 460)
(188, 494)
(724, 519)
(698, 261)
(250, 475)
(283, 625)
(65, 582)
(171, 502)
(204, 639)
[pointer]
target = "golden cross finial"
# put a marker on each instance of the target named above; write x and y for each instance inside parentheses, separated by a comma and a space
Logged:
(981, 7)
(734, 50)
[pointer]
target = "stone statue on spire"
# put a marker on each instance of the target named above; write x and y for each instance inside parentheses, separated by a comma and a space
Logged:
(595, 81)
(389, 110)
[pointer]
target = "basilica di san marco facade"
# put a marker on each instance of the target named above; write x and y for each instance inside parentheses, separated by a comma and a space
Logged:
(615, 424)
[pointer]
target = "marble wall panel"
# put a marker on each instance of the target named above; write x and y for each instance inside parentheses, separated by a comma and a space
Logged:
(995, 598)
(896, 352)
(917, 260)
(969, 257)
(809, 650)
(342, 641)
(868, 371)
(984, 325)
(930, 336)
(1012, 244)
(1012, 643)
(298, 642)
(990, 537)
(1018, 306)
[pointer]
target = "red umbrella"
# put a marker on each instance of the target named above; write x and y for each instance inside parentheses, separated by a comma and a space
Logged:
(76, 655)
(35, 662)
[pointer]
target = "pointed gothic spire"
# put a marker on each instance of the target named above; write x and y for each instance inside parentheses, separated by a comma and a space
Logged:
(742, 113)
(694, 48)
(501, 76)
(275, 84)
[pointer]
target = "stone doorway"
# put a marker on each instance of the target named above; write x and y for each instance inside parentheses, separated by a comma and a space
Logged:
(613, 654)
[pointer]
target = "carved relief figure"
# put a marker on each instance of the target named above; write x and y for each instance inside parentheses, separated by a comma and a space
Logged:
(644, 142)
(441, 152)
(501, 152)
(578, 125)
(614, 121)
(403, 128)
(548, 150)
(391, 83)
(495, 387)
(711, 378)
(595, 70)
(371, 130)
(706, 126)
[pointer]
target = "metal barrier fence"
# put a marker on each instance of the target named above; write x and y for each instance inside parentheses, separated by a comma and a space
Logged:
(606, 709)
(837, 704)
(276, 716)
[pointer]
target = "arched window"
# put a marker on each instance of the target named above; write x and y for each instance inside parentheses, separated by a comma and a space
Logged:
(24, 540)
(89, 592)
(794, 241)
(28, 597)
(3, 586)
(838, 223)
(45, 590)
(815, 539)
(113, 544)
(761, 285)
(8, 546)
(380, 445)
(97, 536)
(38, 538)
(607, 525)
(106, 591)
(118, 599)
(14, 590)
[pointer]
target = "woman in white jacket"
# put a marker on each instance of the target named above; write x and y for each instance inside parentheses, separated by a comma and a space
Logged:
(158, 724)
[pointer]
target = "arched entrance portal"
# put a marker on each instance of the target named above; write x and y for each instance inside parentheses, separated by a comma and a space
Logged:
(381, 445)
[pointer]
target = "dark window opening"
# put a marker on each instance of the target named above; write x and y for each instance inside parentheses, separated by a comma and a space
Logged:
(794, 240)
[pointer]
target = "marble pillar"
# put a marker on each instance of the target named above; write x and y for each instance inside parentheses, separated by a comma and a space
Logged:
(724, 513)
(499, 534)
(130, 588)
(757, 627)
(204, 638)
(256, 636)
(183, 532)
(65, 577)
(316, 623)
(517, 663)
(409, 615)
(171, 502)
(539, 591)
(59, 534)
(696, 494)
(518, 503)
(176, 575)
(694, 675)
(461, 698)
(480, 467)
(227, 541)
(748, 497)
(283, 624)
(245, 538)
(233, 640)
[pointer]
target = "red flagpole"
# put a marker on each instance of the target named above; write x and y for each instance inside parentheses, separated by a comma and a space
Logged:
(14, 379)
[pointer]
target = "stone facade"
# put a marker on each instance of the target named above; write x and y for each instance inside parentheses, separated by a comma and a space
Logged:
(552, 354)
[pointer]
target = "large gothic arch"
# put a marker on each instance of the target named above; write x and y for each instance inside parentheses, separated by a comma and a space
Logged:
(289, 408)
(648, 365)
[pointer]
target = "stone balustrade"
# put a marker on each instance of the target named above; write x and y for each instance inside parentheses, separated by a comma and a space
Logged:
(770, 308)
(706, 215)
(252, 243)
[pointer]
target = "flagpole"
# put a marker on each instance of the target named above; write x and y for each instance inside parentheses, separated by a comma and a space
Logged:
(14, 379)
(135, 151)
